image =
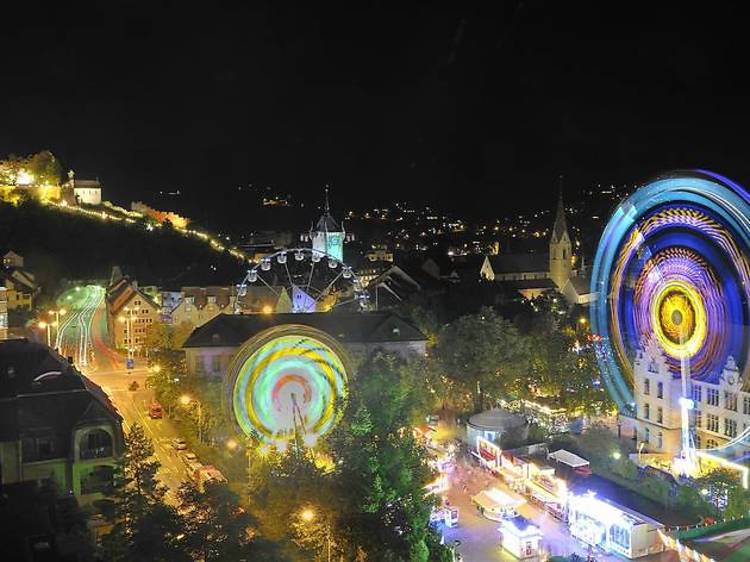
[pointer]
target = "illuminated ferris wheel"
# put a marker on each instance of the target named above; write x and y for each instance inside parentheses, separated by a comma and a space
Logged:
(306, 280)
(287, 383)
(671, 271)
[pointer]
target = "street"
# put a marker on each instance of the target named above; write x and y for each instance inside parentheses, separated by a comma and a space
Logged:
(82, 335)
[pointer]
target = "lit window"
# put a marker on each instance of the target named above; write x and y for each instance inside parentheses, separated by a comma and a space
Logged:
(698, 394)
(712, 423)
(730, 401)
(730, 427)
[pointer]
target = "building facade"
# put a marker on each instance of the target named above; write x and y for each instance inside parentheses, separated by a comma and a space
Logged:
(210, 348)
(56, 424)
(130, 312)
(719, 410)
(20, 284)
(3, 313)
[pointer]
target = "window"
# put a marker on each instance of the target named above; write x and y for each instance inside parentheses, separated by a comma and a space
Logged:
(712, 423)
(660, 390)
(647, 435)
(698, 394)
(712, 396)
(215, 363)
(746, 405)
(659, 415)
(647, 411)
(730, 401)
(659, 440)
(698, 418)
(619, 536)
(730, 427)
(646, 386)
(697, 440)
(711, 443)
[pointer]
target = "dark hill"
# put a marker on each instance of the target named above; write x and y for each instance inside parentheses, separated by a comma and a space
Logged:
(60, 245)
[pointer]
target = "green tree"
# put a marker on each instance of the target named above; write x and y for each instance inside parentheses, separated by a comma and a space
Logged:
(216, 527)
(559, 366)
(145, 527)
(723, 489)
(380, 473)
(45, 168)
(484, 355)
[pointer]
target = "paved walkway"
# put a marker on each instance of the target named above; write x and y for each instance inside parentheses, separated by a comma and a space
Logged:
(480, 539)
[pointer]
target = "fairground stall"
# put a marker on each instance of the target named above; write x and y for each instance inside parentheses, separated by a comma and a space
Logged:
(521, 538)
(497, 505)
(612, 527)
(489, 454)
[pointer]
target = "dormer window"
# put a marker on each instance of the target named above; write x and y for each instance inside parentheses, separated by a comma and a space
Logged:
(396, 331)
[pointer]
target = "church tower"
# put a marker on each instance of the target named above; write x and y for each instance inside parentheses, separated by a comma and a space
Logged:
(328, 236)
(560, 248)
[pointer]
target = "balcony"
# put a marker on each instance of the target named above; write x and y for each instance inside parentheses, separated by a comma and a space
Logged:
(96, 452)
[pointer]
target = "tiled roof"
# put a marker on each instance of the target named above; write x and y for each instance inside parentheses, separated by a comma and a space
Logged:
(228, 330)
(40, 390)
(521, 284)
(519, 263)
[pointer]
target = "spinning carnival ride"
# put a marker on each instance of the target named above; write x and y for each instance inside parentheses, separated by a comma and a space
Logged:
(287, 382)
(312, 280)
(672, 268)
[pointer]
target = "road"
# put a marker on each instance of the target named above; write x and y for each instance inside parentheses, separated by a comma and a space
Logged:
(133, 406)
(74, 332)
(82, 335)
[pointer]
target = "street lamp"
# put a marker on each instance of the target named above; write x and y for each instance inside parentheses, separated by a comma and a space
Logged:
(46, 325)
(57, 313)
(308, 515)
(185, 400)
(128, 320)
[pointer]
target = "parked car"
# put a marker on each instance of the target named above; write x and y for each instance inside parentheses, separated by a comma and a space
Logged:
(179, 443)
(191, 468)
(208, 473)
(189, 456)
(155, 411)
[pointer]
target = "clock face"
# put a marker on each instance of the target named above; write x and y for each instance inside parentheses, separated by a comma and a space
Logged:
(335, 246)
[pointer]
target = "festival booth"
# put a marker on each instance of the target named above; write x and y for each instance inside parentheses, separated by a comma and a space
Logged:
(612, 527)
(489, 454)
(547, 490)
(521, 538)
(568, 464)
(497, 505)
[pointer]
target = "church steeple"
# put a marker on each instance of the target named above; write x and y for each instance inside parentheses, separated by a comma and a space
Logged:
(560, 228)
(328, 236)
(560, 246)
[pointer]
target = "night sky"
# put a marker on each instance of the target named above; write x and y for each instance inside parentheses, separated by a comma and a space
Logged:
(475, 110)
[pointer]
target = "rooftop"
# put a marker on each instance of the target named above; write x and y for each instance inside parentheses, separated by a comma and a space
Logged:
(230, 330)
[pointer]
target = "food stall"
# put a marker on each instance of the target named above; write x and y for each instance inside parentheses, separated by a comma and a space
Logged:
(489, 454)
(521, 538)
(497, 505)
(612, 527)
